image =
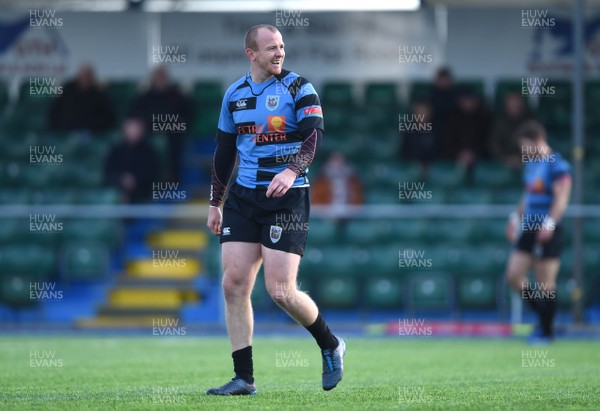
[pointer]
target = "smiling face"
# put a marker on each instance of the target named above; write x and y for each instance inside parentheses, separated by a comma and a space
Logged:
(267, 60)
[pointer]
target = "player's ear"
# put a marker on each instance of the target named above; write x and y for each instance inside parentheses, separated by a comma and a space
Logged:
(250, 54)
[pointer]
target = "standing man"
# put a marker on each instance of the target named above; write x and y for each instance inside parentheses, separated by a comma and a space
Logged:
(272, 119)
(547, 189)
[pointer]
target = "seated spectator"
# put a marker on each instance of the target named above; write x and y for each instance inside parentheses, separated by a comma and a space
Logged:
(466, 137)
(166, 111)
(133, 164)
(83, 105)
(418, 142)
(337, 183)
(443, 100)
(505, 147)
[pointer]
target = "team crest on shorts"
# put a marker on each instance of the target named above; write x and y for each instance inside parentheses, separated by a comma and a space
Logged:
(272, 102)
(275, 233)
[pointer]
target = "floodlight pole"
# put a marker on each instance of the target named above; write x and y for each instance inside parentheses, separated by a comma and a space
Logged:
(578, 156)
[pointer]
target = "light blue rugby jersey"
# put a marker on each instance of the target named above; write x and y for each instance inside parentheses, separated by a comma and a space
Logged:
(265, 120)
(539, 176)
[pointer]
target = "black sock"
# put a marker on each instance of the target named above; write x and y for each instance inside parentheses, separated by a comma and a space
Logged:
(533, 302)
(242, 364)
(322, 334)
(547, 317)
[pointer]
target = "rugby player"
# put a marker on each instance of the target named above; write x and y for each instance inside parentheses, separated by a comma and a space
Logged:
(547, 181)
(272, 119)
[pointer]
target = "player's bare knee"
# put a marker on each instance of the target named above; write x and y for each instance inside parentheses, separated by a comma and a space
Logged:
(235, 288)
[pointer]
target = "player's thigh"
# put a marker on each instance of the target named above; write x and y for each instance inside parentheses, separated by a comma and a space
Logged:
(241, 262)
(519, 263)
(546, 271)
(280, 268)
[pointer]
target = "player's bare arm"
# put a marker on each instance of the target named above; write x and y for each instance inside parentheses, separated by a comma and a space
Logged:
(562, 191)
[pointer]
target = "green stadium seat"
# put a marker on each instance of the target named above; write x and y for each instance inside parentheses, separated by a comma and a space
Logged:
(384, 292)
(337, 120)
(388, 175)
(510, 196)
(52, 196)
(9, 230)
(105, 231)
(554, 110)
(322, 232)
(565, 286)
(379, 196)
(122, 93)
(206, 120)
(381, 95)
(493, 231)
(337, 94)
(338, 291)
(420, 90)
(491, 174)
(369, 231)
(15, 289)
(99, 196)
(382, 260)
(445, 174)
(430, 290)
(489, 260)
(84, 176)
(14, 196)
(207, 94)
(84, 261)
(476, 292)
(410, 230)
(591, 231)
(471, 196)
(27, 259)
(450, 230)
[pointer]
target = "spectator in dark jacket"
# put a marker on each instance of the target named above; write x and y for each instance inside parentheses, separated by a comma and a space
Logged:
(443, 100)
(166, 111)
(466, 137)
(83, 105)
(418, 141)
(133, 164)
(505, 147)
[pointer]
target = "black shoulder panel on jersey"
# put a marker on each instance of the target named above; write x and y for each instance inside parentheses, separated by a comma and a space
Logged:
(308, 100)
(294, 86)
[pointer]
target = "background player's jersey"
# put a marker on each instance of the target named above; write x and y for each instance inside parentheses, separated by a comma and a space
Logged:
(539, 176)
(266, 121)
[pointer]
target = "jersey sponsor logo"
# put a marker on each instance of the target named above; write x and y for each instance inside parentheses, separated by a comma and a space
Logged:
(263, 139)
(226, 230)
(537, 186)
(275, 233)
(249, 128)
(248, 103)
(272, 102)
(313, 110)
(276, 124)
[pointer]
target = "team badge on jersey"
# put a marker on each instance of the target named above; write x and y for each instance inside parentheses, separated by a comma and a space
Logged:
(275, 233)
(272, 102)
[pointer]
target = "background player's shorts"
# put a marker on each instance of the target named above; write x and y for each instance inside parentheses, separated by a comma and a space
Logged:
(277, 223)
(550, 249)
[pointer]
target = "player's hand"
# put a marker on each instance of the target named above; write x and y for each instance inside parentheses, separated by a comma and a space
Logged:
(544, 235)
(214, 220)
(281, 183)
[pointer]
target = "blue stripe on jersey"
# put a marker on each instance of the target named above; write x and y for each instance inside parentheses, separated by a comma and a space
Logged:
(266, 121)
(539, 176)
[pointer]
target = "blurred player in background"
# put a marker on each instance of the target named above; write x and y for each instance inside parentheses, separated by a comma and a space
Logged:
(272, 118)
(547, 181)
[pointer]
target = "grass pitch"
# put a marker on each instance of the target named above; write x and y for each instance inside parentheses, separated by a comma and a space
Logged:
(69, 373)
